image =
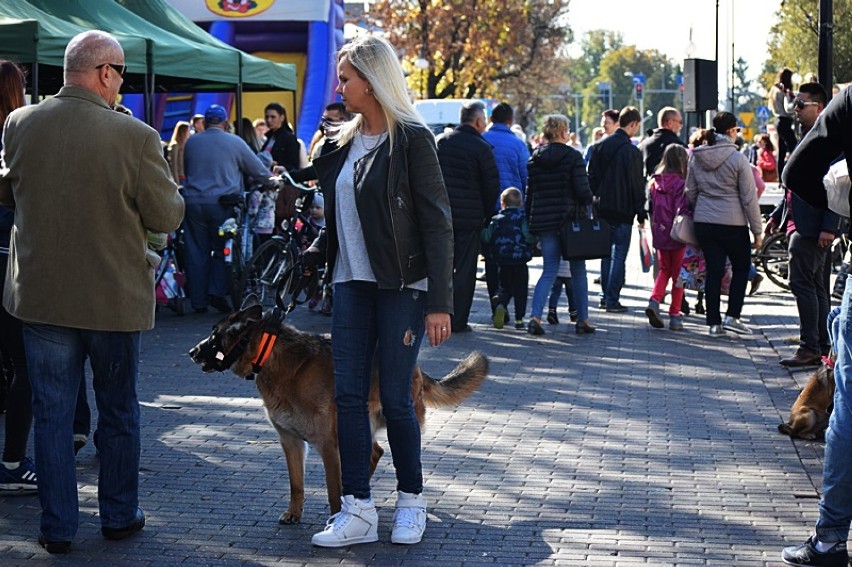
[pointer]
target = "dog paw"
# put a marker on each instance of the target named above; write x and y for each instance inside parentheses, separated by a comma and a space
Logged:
(289, 518)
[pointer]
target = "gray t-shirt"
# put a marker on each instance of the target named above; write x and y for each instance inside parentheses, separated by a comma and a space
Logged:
(353, 263)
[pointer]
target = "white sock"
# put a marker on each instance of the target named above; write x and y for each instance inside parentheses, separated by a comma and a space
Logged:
(822, 547)
(11, 466)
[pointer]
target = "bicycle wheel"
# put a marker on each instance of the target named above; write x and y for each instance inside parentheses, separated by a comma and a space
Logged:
(773, 258)
(270, 261)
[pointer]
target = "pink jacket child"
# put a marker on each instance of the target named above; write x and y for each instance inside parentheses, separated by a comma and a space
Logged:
(667, 200)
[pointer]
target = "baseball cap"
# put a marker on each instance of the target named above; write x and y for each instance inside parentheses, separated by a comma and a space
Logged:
(215, 114)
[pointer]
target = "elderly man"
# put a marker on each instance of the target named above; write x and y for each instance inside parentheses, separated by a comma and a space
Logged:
(80, 277)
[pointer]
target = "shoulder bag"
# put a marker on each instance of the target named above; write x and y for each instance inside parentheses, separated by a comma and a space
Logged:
(683, 229)
(585, 238)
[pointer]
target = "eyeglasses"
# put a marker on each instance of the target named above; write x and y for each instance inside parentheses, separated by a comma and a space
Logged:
(120, 69)
(801, 104)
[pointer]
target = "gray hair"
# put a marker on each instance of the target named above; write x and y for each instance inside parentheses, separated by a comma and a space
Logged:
(89, 49)
(375, 61)
(471, 111)
(665, 114)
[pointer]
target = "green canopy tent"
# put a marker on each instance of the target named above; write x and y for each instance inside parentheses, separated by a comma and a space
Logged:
(37, 39)
(257, 74)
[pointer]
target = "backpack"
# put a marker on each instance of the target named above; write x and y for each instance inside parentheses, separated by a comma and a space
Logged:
(508, 245)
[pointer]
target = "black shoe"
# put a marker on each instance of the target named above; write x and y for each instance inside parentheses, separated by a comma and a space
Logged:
(200, 309)
(602, 304)
(684, 307)
(534, 328)
(584, 329)
(617, 308)
(126, 531)
(597, 280)
(755, 284)
(806, 554)
(552, 319)
(573, 316)
(464, 329)
(699, 310)
(220, 303)
(54, 547)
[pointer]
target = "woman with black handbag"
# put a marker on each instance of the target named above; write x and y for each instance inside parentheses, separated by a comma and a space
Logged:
(557, 190)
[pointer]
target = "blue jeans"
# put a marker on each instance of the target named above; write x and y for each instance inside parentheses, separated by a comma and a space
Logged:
(835, 508)
(551, 255)
(55, 356)
(205, 268)
(369, 322)
(613, 268)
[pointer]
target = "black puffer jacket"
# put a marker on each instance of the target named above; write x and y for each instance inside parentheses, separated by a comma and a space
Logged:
(470, 174)
(558, 187)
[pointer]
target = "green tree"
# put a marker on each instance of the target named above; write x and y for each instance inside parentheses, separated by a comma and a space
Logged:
(794, 40)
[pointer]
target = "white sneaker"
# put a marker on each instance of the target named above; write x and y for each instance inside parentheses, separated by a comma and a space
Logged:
(357, 522)
(717, 331)
(409, 520)
(735, 325)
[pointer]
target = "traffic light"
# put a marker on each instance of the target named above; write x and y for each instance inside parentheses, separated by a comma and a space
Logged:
(639, 91)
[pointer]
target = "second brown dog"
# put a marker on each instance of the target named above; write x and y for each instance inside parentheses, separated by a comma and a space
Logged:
(810, 413)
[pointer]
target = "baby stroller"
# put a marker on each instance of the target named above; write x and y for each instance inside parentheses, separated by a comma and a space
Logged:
(169, 280)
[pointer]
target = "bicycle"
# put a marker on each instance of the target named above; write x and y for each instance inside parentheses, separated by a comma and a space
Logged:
(169, 278)
(272, 268)
(774, 259)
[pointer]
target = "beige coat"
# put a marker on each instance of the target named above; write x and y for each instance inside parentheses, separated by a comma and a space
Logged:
(85, 182)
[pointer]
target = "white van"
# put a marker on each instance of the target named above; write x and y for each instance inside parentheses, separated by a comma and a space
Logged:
(439, 113)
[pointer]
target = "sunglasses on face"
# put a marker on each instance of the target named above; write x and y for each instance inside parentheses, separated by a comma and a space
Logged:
(801, 104)
(120, 69)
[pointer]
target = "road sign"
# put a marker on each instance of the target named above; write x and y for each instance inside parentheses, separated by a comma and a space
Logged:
(746, 118)
(639, 79)
(763, 113)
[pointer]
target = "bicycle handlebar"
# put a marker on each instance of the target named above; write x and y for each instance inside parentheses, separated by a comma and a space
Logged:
(285, 177)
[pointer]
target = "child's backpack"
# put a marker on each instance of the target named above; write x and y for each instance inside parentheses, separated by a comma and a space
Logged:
(508, 245)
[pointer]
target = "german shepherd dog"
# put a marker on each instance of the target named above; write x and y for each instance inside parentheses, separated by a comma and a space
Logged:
(811, 410)
(296, 384)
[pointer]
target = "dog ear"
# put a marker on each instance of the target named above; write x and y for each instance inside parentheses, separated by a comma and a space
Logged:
(251, 313)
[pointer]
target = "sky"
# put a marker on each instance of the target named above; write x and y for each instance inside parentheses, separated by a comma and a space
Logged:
(664, 25)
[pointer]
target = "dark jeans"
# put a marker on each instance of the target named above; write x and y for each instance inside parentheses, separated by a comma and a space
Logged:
(514, 285)
(558, 284)
(205, 267)
(492, 276)
(613, 268)
(718, 242)
(19, 410)
(465, 254)
(55, 356)
(809, 282)
(369, 322)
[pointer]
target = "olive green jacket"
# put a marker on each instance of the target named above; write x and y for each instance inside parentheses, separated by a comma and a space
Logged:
(85, 183)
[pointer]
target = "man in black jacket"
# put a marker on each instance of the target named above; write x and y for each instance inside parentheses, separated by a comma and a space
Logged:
(616, 179)
(473, 184)
(670, 123)
(803, 175)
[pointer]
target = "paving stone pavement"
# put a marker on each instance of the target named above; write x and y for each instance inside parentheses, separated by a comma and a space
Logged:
(630, 446)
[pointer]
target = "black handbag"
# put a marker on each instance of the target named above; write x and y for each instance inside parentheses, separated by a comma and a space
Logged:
(585, 238)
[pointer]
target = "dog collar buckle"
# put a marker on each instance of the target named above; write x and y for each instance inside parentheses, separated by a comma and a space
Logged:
(828, 362)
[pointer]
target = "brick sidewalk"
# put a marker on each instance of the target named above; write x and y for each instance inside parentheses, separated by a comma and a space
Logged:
(578, 450)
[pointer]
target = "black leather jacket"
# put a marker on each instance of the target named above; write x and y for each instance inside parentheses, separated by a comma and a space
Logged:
(404, 212)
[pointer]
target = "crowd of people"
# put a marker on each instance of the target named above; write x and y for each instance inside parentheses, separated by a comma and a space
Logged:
(479, 189)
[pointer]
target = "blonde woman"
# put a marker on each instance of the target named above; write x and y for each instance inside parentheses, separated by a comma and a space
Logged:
(389, 247)
(180, 135)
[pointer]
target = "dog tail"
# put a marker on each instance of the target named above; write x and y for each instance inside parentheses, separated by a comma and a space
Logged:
(786, 429)
(458, 385)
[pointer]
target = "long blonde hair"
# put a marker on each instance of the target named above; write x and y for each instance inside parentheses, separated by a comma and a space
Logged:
(179, 134)
(375, 61)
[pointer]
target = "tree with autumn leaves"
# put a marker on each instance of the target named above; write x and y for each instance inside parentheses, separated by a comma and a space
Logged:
(475, 48)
